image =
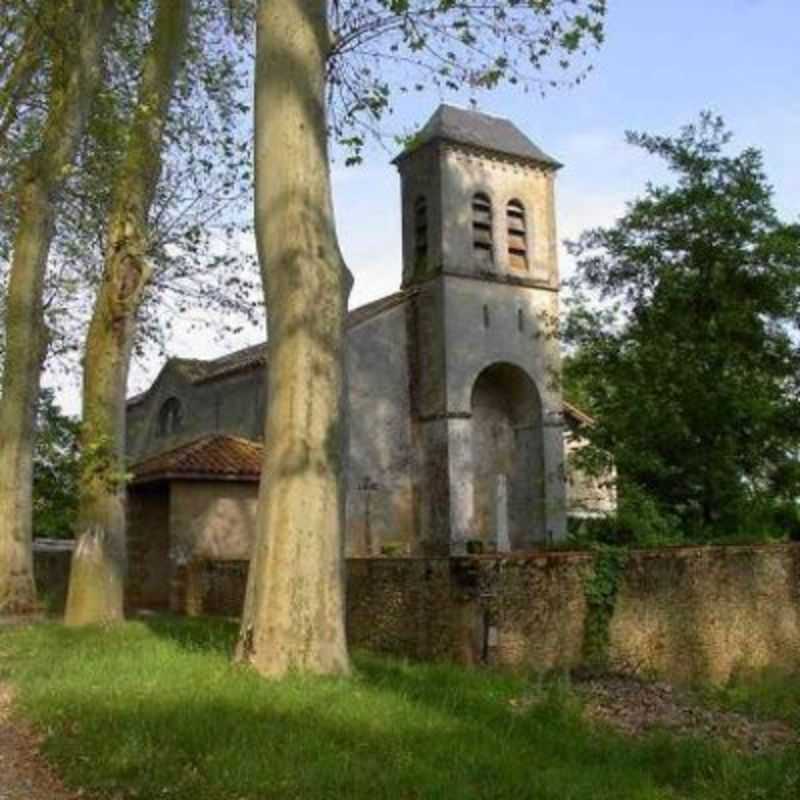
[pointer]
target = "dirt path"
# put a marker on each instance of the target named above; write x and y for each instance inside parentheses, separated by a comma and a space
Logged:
(24, 775)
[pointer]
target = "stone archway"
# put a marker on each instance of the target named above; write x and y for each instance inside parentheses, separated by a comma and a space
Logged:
(507, 458)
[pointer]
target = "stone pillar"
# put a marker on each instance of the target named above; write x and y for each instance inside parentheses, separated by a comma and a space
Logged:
(177, 589)
(194, 589)
(433, 487)
(500, 507)
(462, 502)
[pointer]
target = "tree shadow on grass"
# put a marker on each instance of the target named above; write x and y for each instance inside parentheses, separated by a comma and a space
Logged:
(125, 714)
(312, 739)
(195, 634)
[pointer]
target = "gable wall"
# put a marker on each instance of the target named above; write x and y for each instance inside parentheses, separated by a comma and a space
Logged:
(233, 404)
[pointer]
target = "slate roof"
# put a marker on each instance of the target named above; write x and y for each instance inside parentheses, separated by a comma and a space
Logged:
(253, 356)
(476, 129)
(208, 457)
(199, 371)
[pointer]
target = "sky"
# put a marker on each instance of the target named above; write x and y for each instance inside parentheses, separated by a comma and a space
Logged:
(662, 63)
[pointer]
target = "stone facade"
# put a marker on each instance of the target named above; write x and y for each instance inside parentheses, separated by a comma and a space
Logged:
(456, 423)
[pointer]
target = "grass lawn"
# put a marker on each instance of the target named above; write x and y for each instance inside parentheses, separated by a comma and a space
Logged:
(156, 710)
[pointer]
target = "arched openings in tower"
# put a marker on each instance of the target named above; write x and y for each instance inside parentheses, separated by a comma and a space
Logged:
(507, 458)
(517, 235)
(482, 243)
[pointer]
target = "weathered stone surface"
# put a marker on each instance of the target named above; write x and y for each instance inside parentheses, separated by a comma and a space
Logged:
(683, 614)
(453, 382)
(710, 611)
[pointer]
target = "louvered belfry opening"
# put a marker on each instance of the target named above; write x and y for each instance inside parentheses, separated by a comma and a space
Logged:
(517, 236)
(420, 233)
(482, 229)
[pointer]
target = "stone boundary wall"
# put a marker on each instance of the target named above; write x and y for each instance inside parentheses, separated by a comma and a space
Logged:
(684, 614)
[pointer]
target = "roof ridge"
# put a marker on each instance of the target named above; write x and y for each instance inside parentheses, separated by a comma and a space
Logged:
(241, 359)
(471, 128)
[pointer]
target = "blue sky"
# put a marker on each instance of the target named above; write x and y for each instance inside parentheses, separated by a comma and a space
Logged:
(663, 62)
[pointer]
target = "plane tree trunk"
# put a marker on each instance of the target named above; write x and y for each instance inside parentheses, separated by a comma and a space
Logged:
(75, 78)
(96, 583)
(294, 607)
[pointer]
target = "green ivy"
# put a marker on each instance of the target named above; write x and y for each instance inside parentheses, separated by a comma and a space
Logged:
(600, 587)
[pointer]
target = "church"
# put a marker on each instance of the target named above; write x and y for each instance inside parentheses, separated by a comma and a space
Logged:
(458, 431)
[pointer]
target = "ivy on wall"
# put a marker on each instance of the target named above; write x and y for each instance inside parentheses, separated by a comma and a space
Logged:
(600, 588)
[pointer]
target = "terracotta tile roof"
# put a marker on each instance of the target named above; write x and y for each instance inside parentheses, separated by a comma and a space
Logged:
(211, 456)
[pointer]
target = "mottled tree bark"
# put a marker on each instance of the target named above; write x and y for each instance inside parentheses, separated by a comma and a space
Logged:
(25, 63)
(294, 608)
(40, 186)
(98, 564)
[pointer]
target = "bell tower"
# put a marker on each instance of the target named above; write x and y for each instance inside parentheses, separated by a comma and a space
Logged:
(480, 261)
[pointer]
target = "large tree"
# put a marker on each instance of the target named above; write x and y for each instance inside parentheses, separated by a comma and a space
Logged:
(191, 223)
(98, 563)
(68, 37)
(307, 51)
(685, 330)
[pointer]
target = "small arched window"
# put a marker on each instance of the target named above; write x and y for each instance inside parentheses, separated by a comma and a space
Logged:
(420, 232)
(482, 229)
(517, 235)
(170, 417)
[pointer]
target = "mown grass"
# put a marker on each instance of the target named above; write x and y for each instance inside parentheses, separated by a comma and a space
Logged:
(156, 710)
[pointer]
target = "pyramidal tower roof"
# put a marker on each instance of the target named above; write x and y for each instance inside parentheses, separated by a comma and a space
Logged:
(475, 129)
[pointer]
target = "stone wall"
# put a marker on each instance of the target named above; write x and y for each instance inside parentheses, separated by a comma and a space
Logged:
(708, 611)
(212, 520)
(686, 614)
(148, 547)
(51, 563)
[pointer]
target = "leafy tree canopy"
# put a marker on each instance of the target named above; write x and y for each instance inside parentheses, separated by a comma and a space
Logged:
(683, 325)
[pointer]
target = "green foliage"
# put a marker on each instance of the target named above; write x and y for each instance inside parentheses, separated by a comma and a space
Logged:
(449, 46)
(683, 326)
(55, 471)
(156, 709)
(202, 209)
(600, 587)
(639, 522)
